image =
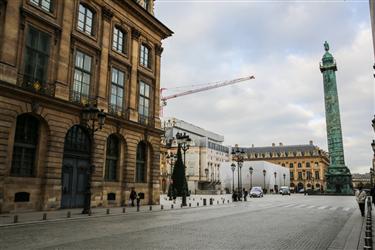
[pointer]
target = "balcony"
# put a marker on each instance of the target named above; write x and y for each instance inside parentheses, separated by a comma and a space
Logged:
(79, 97)
(36, 86)
(117, 111)
(145, 120)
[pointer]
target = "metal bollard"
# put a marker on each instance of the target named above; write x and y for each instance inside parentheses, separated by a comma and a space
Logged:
(171, 206)
(107, 211)
(68, 214)
(181, 205)
(150, 208)
(189, 204)
(197, 204)
(44, 216)
(137, 208)
(123, 210)
(90, 212)
(15, 219)
(161, 207)
(228, 201)
(218, 202)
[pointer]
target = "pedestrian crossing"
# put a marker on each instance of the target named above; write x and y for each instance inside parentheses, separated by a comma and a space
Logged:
(302, 206)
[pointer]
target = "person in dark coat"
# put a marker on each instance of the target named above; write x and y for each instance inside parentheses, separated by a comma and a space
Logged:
(372, 192)
(245, 193)
(133, 196)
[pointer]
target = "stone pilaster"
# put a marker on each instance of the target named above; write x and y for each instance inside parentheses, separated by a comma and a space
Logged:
(133, 112)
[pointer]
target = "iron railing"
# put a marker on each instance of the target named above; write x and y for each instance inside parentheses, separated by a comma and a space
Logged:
(36, 85)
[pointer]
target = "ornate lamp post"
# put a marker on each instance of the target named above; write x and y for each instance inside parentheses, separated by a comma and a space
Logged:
(238, 156)
(264, 179)
(171, 159)
(183, 141)
(284, 178)
(233, 167)
(304, 180)
(93, 119)
(251, 177)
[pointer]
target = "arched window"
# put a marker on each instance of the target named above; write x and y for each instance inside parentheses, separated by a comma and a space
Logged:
(291, 165)
(112, 156)
(141, 163)
(25, 144)
(119, 40)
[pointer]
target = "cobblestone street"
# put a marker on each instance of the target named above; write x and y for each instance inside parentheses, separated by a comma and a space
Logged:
(272, 222)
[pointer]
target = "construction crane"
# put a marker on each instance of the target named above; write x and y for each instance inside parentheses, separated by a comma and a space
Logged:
(164, 99)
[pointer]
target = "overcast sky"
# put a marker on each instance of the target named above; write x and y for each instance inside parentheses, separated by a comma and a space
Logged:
(281, 44)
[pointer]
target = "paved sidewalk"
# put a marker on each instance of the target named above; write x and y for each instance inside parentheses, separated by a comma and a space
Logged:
(8, 219)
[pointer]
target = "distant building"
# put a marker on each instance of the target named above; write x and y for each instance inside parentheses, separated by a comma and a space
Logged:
(204, 158)
(269, 181)
(307, 163)
(361, 180)
(372, 15)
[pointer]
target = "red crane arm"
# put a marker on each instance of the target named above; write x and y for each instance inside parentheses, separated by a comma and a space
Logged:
(218, 85)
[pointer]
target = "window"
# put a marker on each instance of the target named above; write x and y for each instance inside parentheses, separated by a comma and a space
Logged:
(146, 4)
(25, 144)
(317, 175)
(292, 175)
(308, 175)
(85, 20)
(145, 56)
(82, 77)
(36, 57)
(299, 175)
(119, 41)
(283, 164)
(141, 163)
(43, 4)
(307, 164)
(144, 101)
(299, 165)
(117, 91)
(112, 156)
(291, 165)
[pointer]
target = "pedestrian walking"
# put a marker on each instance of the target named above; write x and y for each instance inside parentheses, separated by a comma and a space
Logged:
(360, 196)
(373, 195)
(138, 200)
(133, 196)
(245, 193)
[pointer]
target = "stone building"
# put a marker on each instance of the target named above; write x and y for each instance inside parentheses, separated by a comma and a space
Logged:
(363, 180)
(307, 163)
(204, 159)
(55, 57)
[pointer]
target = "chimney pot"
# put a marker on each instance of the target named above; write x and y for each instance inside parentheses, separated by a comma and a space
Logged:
(273, 144)
(311, 142)
(280, 143)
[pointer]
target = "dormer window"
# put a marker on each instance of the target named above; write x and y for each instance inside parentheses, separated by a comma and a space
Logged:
(146, 4)
(43, 4)
(85, 20)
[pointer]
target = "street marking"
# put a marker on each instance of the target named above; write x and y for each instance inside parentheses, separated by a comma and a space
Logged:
(290, 205)
(333, 208)
(346, 209)
(302, 205)
(322, 207)
(310, 206)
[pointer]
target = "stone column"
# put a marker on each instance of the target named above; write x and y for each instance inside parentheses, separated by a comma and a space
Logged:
(104, 67)
(133, 112)
(158, 52)
(65, 51)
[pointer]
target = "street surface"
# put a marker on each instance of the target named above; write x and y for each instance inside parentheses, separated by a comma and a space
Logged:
(273, 222)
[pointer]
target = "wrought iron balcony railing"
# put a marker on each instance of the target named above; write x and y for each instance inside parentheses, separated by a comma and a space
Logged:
(79, 97)
(36, 85)
(145, 120)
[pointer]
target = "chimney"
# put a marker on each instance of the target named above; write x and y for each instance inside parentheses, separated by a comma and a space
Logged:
(252, 145)
(273, 144)
(280, 144)
(311, 142)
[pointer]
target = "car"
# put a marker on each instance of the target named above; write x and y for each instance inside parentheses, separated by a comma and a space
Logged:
(285, 191)
(256, 192)
(281, 189)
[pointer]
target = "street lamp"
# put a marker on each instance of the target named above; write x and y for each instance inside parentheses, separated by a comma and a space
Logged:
(275, 174)
(183, 141)
(233, 169)
(93, 119)
(251, 177)
(238, 156)
(264, 179)
(171, 159)
(304, 180)
(284, 178)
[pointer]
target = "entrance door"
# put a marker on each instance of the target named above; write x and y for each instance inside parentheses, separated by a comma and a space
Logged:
(74, 182)
(75, 168)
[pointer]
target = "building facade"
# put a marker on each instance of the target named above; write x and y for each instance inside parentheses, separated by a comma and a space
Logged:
(361, 180)
(307, 163)
(204, 158)
(56, 57)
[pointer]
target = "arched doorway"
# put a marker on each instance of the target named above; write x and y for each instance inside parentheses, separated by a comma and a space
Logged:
(75, 167)
(299, 186)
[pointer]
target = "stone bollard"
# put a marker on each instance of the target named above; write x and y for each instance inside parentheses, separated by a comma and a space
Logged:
(68, 214)
(197, 204)
(228, 201)
(181, 205)
(15, 219)
(189, 204)
(107, 211)
(137, 208)
(123, 210)
(223, 201)
(90, 212)
(150, 208)
(161, 207)
(171, 206)
(218, 202)
(44, 216)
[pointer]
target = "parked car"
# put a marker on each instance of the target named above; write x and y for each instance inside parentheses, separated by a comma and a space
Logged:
(281, 189)
(285, 191)
(256, 192)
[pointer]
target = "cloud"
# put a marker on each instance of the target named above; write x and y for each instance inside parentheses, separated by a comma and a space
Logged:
(282, 45)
